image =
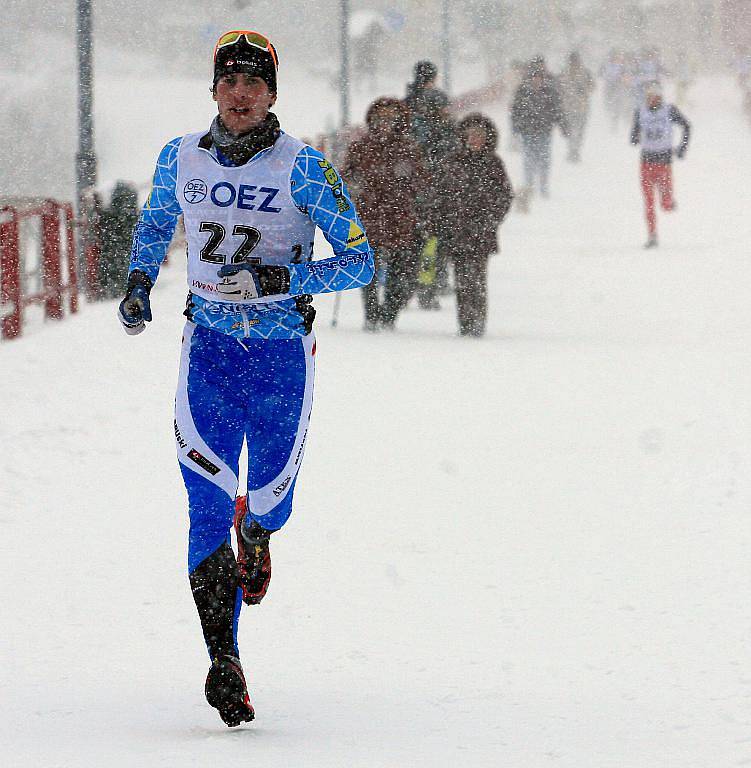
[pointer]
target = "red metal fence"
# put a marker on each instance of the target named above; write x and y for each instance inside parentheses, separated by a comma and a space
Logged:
(55, 274)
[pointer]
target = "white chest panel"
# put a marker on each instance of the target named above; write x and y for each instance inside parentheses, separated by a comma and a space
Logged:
(239, 214)
(656, 129)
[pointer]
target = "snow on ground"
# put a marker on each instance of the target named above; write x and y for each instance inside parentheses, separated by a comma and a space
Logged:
(526, 550)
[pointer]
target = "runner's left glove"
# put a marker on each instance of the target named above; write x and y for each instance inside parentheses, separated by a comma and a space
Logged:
(135, 309)
(251, 281)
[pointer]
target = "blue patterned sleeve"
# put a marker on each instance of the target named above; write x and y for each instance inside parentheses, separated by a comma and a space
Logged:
(156, 224)
(319, 191)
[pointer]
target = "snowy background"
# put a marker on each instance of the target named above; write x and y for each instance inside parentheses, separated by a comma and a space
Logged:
(526, 550)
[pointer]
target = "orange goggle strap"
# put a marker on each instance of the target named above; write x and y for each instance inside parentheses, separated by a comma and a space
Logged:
(255, 39)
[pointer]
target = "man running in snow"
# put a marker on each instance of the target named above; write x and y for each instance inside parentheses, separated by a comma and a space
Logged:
(653, 129)
(536, 109)
(251, 197)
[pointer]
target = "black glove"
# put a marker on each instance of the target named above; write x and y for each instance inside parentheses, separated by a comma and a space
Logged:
(135, 309)
(304, 305)
(251, 281)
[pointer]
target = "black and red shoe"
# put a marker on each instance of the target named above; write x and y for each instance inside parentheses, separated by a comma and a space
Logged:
(226, 691)
(253, 555)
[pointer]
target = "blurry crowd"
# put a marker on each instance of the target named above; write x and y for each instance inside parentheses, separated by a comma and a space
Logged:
(431, 192)
(626, 75)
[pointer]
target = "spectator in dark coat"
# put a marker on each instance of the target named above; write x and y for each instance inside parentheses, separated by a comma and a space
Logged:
(386, 178)
(434, 130)
(575, 84)
(421, 99)
(535, 110)
(473, 196)
(116, 223)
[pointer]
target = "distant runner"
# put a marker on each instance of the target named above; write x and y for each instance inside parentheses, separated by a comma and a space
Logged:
(653, 130)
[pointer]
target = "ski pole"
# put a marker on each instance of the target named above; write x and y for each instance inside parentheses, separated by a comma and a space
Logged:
(337, 304)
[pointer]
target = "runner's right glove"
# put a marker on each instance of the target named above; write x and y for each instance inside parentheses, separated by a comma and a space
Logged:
(251, 281)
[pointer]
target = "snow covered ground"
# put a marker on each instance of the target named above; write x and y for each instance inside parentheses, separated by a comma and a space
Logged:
(526, 550)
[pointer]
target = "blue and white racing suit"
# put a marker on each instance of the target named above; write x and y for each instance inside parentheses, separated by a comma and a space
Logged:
(246, 371)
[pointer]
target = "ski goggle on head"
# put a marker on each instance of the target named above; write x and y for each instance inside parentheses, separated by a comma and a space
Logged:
(254, 39)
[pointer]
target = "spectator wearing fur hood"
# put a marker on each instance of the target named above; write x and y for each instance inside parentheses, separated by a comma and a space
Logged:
(473, 194)
(386, 178)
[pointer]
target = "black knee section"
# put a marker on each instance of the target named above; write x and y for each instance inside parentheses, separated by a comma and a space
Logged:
(214, 586)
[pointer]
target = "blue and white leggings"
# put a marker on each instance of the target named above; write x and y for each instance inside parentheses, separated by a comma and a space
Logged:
(230, 390)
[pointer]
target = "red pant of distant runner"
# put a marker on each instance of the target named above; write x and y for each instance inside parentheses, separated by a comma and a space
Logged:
(658, 175)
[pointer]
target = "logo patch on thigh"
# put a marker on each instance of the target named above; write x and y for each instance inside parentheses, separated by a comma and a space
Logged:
(203, 462)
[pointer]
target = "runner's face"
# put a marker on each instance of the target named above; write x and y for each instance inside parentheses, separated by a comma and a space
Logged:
(243, 101)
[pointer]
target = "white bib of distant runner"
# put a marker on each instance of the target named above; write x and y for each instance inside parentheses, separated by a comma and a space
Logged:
(656, 129)
(239, 215)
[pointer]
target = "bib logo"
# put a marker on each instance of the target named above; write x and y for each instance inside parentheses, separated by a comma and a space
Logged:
(195, 191)
(356, 236)
(245, 197)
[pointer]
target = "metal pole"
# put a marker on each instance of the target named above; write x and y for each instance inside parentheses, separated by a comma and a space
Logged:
(344, 64)
(343, 108)
(446, 46)
(86, 165)
(717, 41)
(85, 159)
